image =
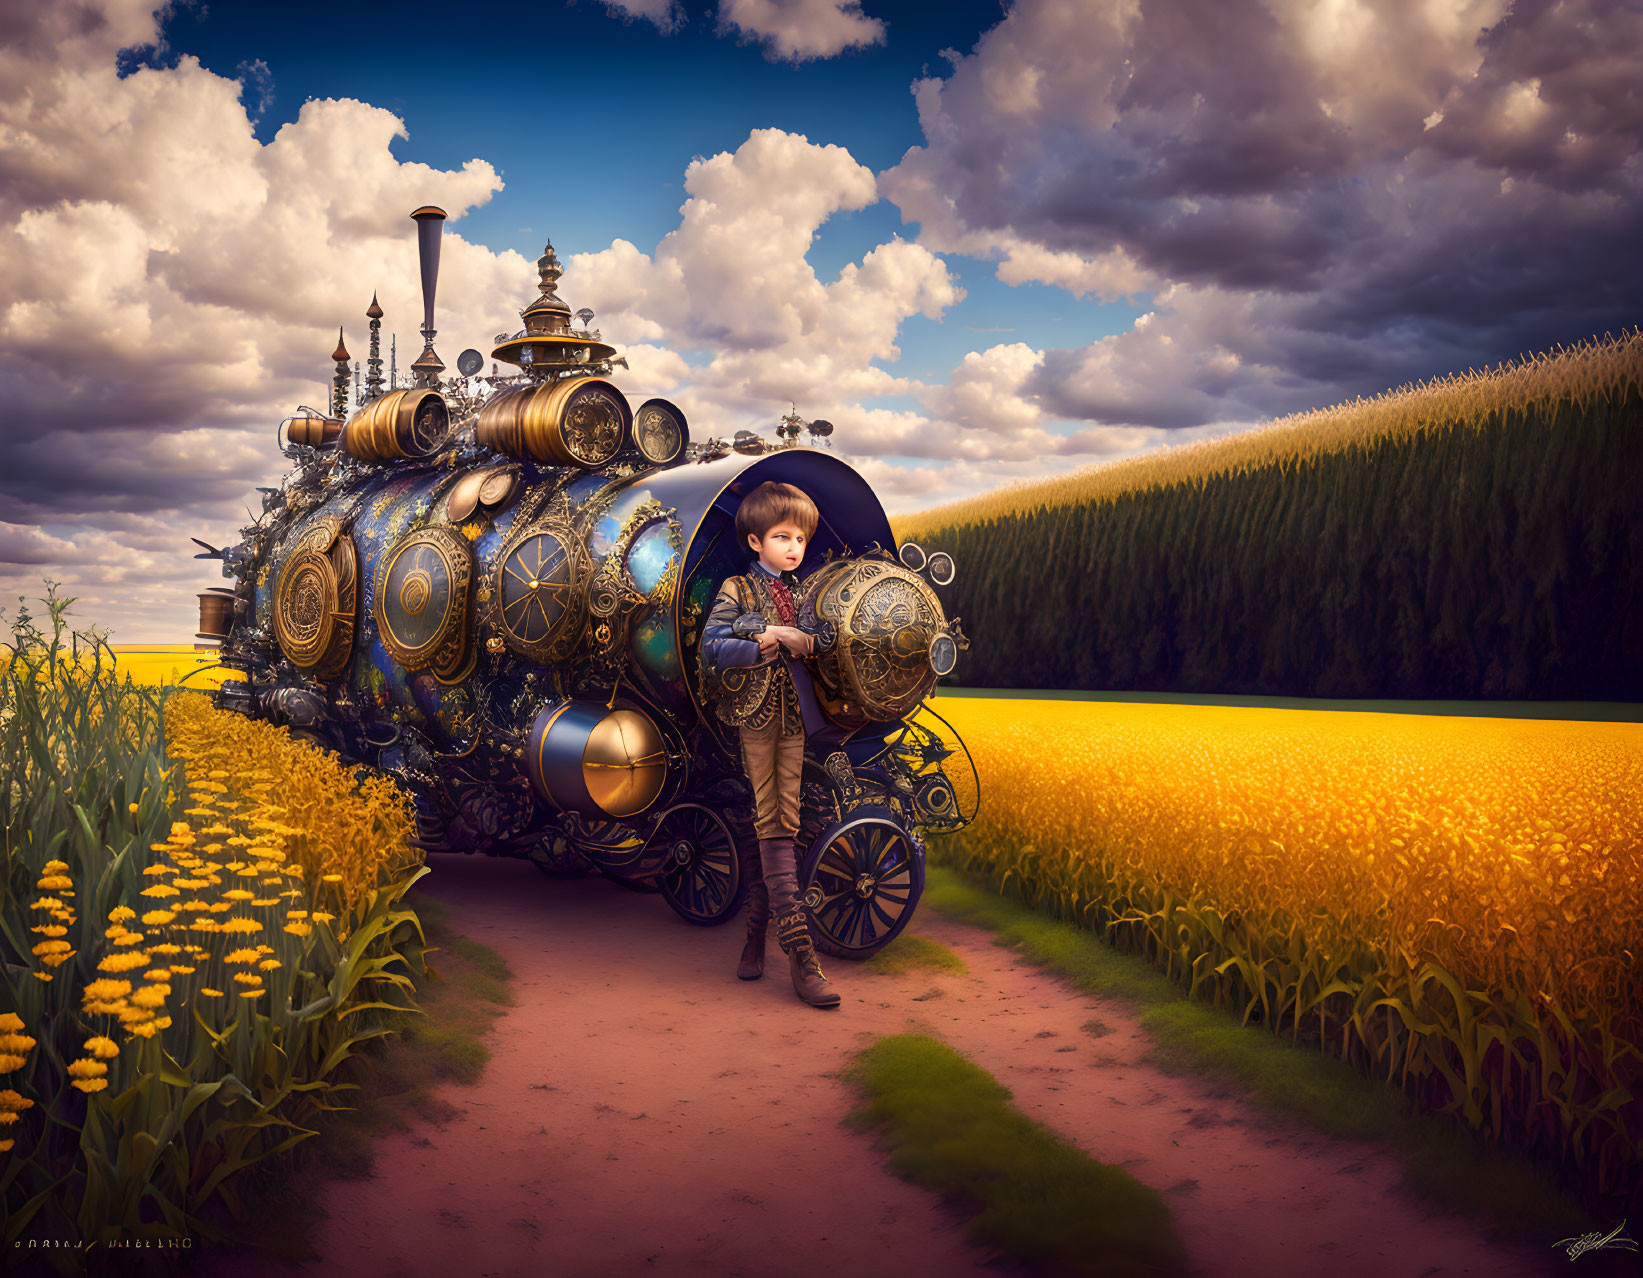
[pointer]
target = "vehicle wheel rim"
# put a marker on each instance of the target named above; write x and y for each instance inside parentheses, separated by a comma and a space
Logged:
(699, 872)
(863, 885)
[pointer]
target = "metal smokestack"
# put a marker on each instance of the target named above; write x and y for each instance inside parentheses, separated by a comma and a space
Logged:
(430, 222)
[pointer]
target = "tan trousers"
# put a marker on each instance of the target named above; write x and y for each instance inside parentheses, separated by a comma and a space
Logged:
(774, 764)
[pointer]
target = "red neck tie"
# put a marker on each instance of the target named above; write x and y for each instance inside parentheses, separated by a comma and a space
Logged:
(784, 602)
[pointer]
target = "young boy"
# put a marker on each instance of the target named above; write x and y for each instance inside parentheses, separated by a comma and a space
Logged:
(751, 649)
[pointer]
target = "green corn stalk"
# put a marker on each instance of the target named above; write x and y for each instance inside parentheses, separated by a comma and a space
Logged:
(188, 1109)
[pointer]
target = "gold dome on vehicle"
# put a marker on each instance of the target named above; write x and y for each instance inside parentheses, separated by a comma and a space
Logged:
(548, 340)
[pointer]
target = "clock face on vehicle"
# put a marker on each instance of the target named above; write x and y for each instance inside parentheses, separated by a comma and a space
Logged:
(305, 606)
(422, 599)
(536, 589)
(659, 431)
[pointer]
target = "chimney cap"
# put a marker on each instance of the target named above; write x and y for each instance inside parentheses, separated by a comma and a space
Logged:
(428, 210)
(373, 311)
(341, 352)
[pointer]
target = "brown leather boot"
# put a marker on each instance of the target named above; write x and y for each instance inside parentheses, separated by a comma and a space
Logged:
(793, 935)
(751, 968)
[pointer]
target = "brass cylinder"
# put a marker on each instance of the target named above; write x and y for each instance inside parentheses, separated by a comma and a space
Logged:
(314, 430)
(604, 763)
(579, 421)
(498, 424)
(216, 614)
(412, 422)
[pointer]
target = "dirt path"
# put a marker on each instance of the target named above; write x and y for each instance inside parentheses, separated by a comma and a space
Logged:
(646, 1112)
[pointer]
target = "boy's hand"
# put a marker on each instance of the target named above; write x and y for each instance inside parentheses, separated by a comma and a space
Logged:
(769, 638)
(796, 641)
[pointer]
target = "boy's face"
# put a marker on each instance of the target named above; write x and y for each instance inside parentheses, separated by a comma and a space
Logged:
(782, 547)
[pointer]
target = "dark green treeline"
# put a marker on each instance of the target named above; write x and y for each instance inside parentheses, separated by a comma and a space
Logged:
(1502, 559)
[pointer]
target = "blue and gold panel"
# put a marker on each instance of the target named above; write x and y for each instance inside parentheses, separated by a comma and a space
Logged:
(614, 518)
(535, 586)
(653, 564)
(581, 491)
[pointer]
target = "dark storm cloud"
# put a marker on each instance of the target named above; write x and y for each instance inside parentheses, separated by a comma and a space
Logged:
(1328, 200)
(70, 472)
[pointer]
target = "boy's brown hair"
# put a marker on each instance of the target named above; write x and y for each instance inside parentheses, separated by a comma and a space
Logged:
(770, 504)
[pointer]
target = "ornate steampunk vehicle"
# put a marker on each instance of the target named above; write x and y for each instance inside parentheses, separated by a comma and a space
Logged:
(496, 596)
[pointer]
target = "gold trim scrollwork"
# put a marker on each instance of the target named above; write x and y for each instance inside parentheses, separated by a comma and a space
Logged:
(612, 595)
(322, 534)
(885, 617)
(345, 562)
(305, 605)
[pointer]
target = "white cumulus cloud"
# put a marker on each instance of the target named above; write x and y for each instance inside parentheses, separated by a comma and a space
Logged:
(802, 30)
(733, 282)
(668, 15)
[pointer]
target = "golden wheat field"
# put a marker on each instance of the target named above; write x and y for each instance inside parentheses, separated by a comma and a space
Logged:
(1454, 890)
(167, 663)
(1505, 843)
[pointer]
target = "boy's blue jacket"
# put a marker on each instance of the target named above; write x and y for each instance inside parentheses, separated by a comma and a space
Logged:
(721, 646)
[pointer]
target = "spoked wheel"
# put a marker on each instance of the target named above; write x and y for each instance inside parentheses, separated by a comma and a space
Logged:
(860, 882)
(700, 875)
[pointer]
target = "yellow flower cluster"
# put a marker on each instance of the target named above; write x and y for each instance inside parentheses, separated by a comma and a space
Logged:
(54, 950)
(191, 867)
(14, 1050)
(139, 1012)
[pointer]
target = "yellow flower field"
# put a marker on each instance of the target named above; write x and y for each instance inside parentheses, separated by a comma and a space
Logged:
(155, 664)
(167, 663)
(1441, 897)
(201, 930)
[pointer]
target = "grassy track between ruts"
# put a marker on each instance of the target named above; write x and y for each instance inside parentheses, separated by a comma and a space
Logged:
(951, 1127)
